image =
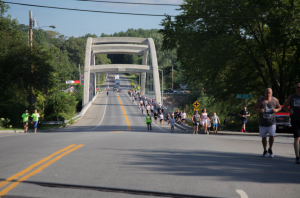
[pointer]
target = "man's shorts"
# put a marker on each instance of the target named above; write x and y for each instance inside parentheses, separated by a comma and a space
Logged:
(25, 123)
(215, 125)
(244, 121)
(35, 124)
(196, 123)
(296, 128)
(263, 131)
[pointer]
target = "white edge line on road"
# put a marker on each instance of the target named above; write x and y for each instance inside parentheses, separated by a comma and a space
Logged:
(242, 193)
(103, 113)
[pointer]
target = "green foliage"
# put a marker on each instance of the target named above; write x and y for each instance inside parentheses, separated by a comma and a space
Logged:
(71, 121)
(4, 123)
(240, 54)
(63, 104)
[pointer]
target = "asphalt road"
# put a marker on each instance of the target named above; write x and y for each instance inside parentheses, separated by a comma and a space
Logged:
(110, 153)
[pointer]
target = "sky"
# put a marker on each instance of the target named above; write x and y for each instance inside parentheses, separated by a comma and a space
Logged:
(75, 23)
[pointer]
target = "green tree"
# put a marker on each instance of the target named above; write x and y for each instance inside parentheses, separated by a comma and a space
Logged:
(241, 46)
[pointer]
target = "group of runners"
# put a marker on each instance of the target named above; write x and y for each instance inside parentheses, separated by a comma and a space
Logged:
(205, 121)
(35, 120)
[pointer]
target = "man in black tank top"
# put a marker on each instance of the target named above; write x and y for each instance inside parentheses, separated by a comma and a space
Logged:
(294, 102)
(267, 106)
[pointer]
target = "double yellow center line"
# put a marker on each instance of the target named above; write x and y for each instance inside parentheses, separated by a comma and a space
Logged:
(124, 112)
(66, 151)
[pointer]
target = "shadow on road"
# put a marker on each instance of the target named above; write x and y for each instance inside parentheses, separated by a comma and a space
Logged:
(224, 165)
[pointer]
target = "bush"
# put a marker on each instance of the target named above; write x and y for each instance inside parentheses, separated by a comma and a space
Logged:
(71, 121)
(4, 123)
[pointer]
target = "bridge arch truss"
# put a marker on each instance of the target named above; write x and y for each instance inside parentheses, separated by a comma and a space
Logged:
(119, 45)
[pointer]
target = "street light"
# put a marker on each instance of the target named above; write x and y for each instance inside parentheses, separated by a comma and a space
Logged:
(162, 86)
(52, 26)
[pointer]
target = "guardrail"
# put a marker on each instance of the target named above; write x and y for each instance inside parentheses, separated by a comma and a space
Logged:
(52, 122)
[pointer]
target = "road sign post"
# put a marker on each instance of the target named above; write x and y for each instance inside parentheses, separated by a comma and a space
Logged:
(196, 104)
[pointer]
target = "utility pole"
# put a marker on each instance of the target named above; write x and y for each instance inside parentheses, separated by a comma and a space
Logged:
(172, 77)
(79, 74)
(30, 44)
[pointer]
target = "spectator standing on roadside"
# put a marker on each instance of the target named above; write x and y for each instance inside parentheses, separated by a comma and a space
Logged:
(183, 116)
(267, 106)
(25, 117)
(148, 121)
(244, 114)
(195, 119)
(294, 102)
(215, 120)
(35, 120)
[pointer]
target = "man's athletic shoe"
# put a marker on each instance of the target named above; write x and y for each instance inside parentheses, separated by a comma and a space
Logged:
(193, 132)
(297, 160)
(270, 153)
(245, 130)
(265, 154)
(242, 130)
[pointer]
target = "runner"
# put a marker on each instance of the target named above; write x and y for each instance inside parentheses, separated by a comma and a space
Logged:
(168, 118)
(294, 102)
(172, 124)
(25, 120)
(183, 117)
(107, 93)
(142, 108)
(161, 119)
(35, 120)
(195, 120)
(148, 122)
(162, 108)
(159, 108)
(204, 120)
(215, 120)
(175, 115)
(244, 114)
(179, 117)
(267, 106)
(155, 116)
(148, 109)
(152, 108)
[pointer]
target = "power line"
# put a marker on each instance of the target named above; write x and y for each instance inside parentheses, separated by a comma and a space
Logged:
(156, 15)
(170, 4)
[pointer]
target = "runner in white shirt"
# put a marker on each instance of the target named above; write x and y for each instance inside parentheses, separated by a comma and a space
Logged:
(152, 108)
(183, 117)
(161, 119)
(215, 120)
(148, 109)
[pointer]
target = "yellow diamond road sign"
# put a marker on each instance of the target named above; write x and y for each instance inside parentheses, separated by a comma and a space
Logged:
(196, 104)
